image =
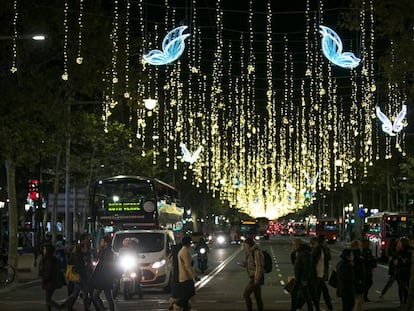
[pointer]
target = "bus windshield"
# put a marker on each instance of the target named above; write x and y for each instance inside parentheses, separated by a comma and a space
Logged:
(146, 242)
(122, 195)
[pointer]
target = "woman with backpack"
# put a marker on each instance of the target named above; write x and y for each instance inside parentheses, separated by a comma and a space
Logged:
(254, 264)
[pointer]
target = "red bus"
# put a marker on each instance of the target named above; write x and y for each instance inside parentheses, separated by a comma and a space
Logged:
(380, 229)
(329, 228)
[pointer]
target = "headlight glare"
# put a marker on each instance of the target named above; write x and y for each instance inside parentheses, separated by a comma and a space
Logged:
(158, 264)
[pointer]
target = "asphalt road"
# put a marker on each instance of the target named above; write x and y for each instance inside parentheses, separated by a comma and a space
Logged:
(220, 288)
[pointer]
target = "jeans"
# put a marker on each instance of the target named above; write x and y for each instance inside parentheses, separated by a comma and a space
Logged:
(256, 289)
(97, 301)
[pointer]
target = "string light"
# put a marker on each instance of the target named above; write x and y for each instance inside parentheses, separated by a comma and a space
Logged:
(79, 58)
(13, 68)
(65, 75)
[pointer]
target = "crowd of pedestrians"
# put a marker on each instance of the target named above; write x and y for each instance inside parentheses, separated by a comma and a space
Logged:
(311, 266)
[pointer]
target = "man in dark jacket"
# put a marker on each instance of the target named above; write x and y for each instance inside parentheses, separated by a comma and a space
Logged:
(302, 266)
(104, 274)
(321, 256)
(52, 276)
(370, 264)
(346, 280)
(359, 272)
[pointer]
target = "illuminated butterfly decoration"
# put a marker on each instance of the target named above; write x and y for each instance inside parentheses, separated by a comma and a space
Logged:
(332, 49)
(187, 156)
(389, 127)
(173, 46)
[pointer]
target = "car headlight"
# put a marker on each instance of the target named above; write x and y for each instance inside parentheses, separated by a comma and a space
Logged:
(202, 250)
(159, 264)
(221, 239)
(128, 262)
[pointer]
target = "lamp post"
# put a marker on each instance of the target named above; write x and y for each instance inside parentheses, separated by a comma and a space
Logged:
(2, 206)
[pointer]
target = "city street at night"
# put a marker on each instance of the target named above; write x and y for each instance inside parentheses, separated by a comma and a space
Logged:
(221, 287)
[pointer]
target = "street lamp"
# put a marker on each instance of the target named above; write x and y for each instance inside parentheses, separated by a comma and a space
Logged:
(2, 205)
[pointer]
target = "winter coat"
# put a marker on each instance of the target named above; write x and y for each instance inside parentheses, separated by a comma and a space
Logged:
(255, 263)
(303, 263)
(403, 267)
(345, 279)
(52, 276)
(105, 272)
(83, 266)
(359, 271)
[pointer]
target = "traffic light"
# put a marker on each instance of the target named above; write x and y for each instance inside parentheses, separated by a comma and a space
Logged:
(33, 189)
(352, 220)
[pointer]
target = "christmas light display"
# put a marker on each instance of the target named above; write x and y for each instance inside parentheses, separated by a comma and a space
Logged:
(332, 49)
(173, 46)
(389, 127)
(187, 156)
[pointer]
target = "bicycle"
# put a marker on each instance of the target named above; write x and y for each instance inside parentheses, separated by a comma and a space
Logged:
(7, 272)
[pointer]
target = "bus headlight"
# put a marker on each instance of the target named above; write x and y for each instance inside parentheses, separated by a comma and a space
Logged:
(128, 262)
(159, 264)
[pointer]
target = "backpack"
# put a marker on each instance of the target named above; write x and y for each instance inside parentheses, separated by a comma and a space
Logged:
(268, 263)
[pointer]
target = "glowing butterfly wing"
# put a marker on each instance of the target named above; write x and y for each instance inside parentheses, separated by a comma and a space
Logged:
(196, 154)
(173, 47)
(386, 123)
(398, 124)
(332, 49)
(348, 60)
(290, 188)
(186, 153)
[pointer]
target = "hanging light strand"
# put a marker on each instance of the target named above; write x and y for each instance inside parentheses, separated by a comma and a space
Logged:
(13, 68)
(65, 75)
(79, 58)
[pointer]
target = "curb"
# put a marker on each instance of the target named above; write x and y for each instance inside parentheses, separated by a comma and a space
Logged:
(19, 285)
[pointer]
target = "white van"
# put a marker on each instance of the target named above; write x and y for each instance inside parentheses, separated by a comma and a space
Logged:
(154, 248)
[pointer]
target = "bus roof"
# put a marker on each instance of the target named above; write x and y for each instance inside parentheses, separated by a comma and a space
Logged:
(140, 178)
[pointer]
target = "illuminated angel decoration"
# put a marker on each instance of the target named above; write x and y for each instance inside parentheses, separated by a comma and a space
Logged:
(310, 189)
(173, 46)
(237, 180)
(332, 49)
(389, 127)
(311, 181)
(187, 156)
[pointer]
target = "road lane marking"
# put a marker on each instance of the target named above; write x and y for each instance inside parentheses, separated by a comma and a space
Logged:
(204, 280)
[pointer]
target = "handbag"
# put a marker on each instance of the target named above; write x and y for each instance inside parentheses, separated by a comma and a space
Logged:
(289, 285)
(333, 279)
(71, 275)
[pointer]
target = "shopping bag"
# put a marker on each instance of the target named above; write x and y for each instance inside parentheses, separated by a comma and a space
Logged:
(289, 285)
(333, 279)
(71, 275)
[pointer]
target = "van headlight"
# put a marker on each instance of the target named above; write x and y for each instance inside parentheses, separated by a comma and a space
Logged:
(221, 239)
(159, 264)
(128, 262)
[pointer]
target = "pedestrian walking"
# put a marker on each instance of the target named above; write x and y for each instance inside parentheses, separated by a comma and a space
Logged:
(254, 264)
(52, 277)
(321, 256)
(186, 275)
(302, 266)
(359, 272)
(370, 263)
(82, 265)
(104, 275)
(391, 267)
(174, 284)
(346, 280)
(403, 264)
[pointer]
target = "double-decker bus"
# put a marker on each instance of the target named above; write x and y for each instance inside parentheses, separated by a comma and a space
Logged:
(328, 227)
(134, 202)
(382, 228)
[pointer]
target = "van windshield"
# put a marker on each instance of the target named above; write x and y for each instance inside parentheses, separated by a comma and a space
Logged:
(143, 242)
